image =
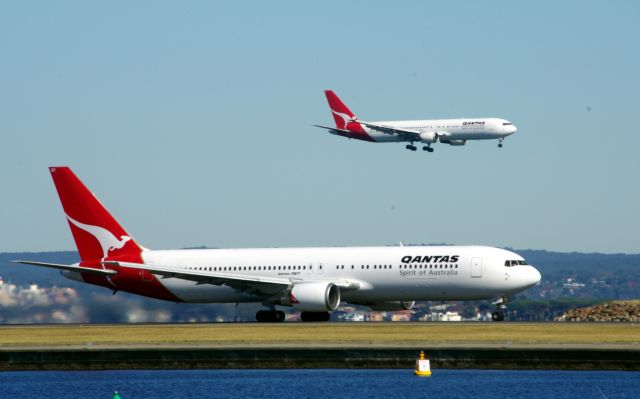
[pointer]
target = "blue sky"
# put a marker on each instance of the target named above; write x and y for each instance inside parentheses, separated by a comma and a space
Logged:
(191, 121)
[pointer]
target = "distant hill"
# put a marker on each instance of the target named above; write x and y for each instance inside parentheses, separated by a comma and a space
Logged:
(550, 262)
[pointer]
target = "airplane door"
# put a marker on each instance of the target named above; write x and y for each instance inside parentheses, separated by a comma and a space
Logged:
(476, 267)
(320, 267)
(310, 270)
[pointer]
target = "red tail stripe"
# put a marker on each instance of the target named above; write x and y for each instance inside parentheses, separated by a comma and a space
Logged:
(96, 233)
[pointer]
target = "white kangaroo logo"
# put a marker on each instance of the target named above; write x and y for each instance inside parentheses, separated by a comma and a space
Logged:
(346, 118)
(107, 241)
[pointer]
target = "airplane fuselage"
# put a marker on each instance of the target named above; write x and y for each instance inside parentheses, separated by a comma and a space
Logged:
(375, 274)
(447, 130)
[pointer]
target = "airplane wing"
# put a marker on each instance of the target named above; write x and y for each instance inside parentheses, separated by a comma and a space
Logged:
(408, 133)
(249, 284)
(245, 283)
(71, 268)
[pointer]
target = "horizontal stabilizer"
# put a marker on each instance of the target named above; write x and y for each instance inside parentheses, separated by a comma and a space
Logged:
(335, 129)
(71, 268)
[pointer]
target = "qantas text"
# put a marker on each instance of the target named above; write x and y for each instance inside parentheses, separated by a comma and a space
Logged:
(429, 259)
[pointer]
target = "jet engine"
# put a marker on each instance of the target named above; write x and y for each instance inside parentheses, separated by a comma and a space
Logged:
(315, 297)
(393, 305)
(455, 142)
(429, 137)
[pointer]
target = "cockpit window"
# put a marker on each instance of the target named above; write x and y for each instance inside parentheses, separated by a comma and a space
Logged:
(507, 124)
(511, 263)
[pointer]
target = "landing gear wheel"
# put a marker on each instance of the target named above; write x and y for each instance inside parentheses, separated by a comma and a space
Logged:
(411, 147)
(270, 316)
(500, 145)
(427, 148)
(497, 316)
(501, 308)
(314, 316)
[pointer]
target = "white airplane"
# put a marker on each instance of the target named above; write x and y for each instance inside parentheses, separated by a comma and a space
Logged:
(454, 132)
(311, 280)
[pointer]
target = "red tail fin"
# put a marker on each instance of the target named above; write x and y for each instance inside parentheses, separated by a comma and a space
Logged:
(341, 114)
(97, 234)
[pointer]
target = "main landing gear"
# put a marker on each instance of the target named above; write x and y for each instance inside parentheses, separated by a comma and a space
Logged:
(414, 148)
(501, 309)
(270, 316)
(314, 316)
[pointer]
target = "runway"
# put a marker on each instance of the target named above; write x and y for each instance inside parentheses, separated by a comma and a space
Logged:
(581, 346)
(354, 335)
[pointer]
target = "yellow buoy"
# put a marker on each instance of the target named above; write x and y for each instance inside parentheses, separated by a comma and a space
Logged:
(423, 368)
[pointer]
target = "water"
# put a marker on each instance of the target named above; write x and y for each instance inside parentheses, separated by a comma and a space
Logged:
(388, 384)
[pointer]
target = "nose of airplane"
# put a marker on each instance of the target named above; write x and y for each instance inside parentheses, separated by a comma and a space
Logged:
(512, 129)
(533, 276)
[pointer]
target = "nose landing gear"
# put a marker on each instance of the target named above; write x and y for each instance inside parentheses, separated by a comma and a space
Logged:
(501, 309)
(500, 142)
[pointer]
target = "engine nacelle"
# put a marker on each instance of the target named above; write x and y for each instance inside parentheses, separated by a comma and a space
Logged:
(315, 297)
(455, 142)
(393, 305)
(429, 137)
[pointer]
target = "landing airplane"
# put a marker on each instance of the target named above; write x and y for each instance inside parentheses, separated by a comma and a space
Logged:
(455, 132)
(311, 280)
